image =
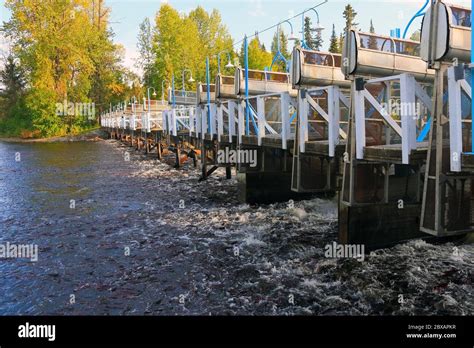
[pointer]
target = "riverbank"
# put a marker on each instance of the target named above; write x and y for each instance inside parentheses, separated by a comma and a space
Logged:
(88, 136)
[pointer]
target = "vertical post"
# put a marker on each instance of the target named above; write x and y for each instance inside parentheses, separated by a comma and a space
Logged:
(303, 119)
(205, 125)
(333, 134)
(359, 109)
(149, 125)
(149, 104)
(455, 121)
(220, 121)
(285, 119)
(158, 145)
(174, 122)
(192, 118)
(173, 99)
(247, 108)
(241, 122)
(198, 121)
(178, 157)
(472, 79)
(213, 112)
(408, 116)
(165, 121)
(232, 106)
(208, 96)
(261, 119)
(337, 114)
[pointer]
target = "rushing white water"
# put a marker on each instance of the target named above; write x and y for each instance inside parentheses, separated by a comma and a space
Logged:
(195, 250)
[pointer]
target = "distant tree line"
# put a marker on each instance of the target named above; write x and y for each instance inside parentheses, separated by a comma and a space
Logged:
(61, 52)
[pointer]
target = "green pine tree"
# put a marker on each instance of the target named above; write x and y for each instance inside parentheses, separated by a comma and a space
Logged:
(341, 42)
(314, 42)
(416, 36)
(349, 15)
(334, 42)
(12, 78)
(372, 40)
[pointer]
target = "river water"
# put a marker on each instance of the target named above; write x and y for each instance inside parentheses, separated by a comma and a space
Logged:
(119, 236)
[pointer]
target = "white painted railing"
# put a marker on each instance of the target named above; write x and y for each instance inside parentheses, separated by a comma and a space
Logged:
(152, 120)
(204, 119)
(227, 121)
(269, 115)
(177, 119)
(405, 114)
(458, 87)
(319, 113)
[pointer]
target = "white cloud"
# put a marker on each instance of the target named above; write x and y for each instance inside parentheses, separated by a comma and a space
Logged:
(257, 9)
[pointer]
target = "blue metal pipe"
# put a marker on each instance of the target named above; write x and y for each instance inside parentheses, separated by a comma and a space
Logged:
(247, 109)
(208, 96)
(173, 99)
(254, 117)
(279, 55)
(418, 14)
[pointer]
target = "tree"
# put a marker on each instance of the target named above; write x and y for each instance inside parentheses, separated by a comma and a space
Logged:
(280, 65)
(258, 57)
(146, 58)
(170, 43)
(184, 42)
(308, 36)
(416, 36)
(67, 51)
(349, 15)
(12, 83)
(333, 42)
(213, 37)
(108, 76)
(341, 42)
(53, 41)
(372, 39)
(313, 42)
(318, 41)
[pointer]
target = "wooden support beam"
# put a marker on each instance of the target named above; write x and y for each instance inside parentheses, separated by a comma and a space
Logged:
(178, 155)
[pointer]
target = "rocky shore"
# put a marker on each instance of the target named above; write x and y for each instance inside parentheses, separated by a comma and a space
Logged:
(93, 135)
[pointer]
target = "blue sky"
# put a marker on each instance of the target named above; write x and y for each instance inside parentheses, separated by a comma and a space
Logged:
(247, 16)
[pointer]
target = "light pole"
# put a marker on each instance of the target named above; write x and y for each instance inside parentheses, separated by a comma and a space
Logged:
(228, 66)
(149, 100)
(133, 101)
(149, 106)
(191, 80)
(279, 55)
(292, 36)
